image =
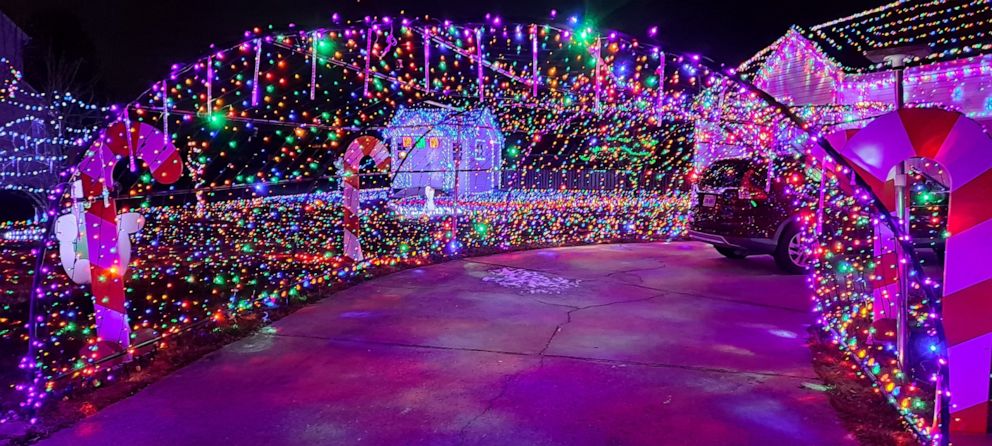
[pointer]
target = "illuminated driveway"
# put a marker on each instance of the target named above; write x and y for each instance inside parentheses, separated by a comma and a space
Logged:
(598, 345)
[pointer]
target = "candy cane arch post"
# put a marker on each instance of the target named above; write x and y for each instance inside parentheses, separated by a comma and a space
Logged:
(359, 148)
(962, 148)
(96, 172)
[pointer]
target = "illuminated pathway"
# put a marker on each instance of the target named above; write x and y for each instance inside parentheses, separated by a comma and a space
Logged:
(608, 344)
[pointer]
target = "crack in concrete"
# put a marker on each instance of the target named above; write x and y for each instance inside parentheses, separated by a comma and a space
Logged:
(542, 354)
(547, 355)
(568, 319)
(553, 304)
(509, 380)
(489, 405)
(637, 270)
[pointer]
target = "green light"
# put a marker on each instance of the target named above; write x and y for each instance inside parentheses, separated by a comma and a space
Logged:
(216, 120)
(325, 47)
(481, 229)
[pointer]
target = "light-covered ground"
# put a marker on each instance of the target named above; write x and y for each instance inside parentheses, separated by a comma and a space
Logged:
(662, 343)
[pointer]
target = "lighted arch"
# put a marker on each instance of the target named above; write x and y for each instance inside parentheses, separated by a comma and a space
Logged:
(270, 115)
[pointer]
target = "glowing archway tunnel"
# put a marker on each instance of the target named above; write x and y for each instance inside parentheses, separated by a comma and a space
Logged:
(495, 136)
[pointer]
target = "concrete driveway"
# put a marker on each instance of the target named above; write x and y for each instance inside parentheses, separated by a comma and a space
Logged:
(649, 344)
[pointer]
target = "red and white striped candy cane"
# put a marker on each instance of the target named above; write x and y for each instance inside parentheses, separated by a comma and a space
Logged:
(96, 172)
(359, 148)
(962, 148)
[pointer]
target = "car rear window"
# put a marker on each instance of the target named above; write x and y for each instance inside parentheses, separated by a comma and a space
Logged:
(726, 173)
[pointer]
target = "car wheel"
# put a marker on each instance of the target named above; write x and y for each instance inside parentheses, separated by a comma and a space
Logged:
(791, 254)
(731, 253)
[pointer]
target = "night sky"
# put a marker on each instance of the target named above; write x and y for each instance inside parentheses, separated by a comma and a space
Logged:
(128, 44)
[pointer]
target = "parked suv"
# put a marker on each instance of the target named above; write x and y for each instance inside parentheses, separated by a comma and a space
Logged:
(742, 212)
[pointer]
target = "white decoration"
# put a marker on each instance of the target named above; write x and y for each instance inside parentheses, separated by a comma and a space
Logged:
(531, 282)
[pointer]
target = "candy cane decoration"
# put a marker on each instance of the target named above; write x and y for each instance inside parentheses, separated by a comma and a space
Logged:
(359, 148)
(961, 147)
(96, 173)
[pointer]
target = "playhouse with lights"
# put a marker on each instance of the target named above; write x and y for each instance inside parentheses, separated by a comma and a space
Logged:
(430, 144)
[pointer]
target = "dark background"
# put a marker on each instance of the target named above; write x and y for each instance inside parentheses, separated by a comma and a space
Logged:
(127, 44)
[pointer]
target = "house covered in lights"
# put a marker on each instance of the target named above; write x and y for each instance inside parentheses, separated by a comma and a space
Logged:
(426, 141)
(827, 71)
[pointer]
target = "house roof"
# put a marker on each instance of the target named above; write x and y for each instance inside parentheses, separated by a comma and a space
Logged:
(12, 41)
(413, 120)
(952, 29)
(9, 26)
